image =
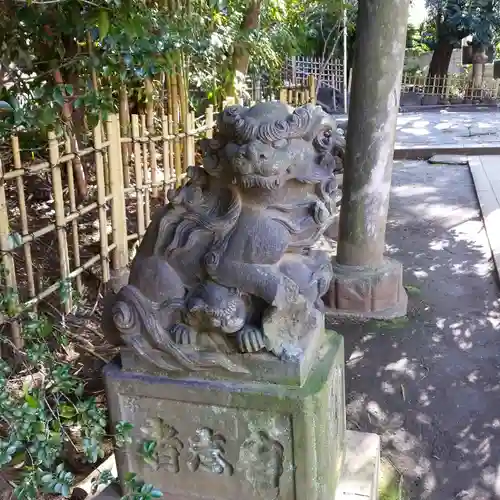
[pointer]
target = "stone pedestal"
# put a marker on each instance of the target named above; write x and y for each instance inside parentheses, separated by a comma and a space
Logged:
(228, 438)
(368, 293)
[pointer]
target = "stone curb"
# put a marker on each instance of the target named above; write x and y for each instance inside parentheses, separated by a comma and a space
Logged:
(419, 152)
(489, 202)
(361, 469)
(473, 108)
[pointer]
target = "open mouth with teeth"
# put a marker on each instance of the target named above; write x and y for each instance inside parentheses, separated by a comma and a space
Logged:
(257, 181)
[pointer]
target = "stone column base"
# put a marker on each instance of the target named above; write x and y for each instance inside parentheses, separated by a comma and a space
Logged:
(367, 293)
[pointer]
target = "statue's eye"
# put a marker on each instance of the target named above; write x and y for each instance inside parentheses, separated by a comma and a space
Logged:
(280, 144)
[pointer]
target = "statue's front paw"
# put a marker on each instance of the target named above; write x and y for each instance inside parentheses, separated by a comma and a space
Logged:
(183, 334)
(250, 339)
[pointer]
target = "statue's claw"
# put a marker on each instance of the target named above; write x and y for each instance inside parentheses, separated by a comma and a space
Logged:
(250, 339)
(183, 334)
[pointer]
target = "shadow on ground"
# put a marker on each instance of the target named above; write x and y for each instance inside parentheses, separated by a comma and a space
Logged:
(430, 385)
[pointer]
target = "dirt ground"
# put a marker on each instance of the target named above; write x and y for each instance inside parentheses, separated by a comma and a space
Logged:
(430, 386)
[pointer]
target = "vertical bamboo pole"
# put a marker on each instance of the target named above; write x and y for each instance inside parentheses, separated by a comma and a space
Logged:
(101, 201)
(190, 146)
(163, 84)
(8, 259)
(101, 135)
(24, 217)
(151, 132)
(311, 81)
(166, 155)
(146, 177)
(209, 120)
(57, 190)
(171, 160)
(169, 107)
(187, 152)
(182, 95)
(125, 132)
(105, 156)
(174, 99)
(118, 208)
(138, 176)
(74, 222)
(177, 154)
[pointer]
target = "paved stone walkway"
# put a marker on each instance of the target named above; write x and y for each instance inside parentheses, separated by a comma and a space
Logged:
(448, 128)
(430, 386)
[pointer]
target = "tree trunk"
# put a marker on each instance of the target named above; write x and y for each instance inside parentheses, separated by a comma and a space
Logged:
(438, 68)
(241, 54)
(479, 58)
(67, 112)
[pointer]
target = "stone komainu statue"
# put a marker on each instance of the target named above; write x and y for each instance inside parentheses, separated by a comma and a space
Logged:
(231, 256)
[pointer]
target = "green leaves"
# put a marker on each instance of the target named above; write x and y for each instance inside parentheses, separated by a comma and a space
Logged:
(7, 451)
(123, 433)
(103, 24)
(148, 452)
(138, 490)
(58, 482)
(40, 420)
(58, 96)
(65, 290)
(92, 449)
(31, 401)
(461, 18)
(104, 478)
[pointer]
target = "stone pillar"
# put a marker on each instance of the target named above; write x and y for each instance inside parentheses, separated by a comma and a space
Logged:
(366, 283)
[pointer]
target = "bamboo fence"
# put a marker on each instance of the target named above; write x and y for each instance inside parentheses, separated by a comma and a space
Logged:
(327, 72)
(298, 95)
(452, 86)
(119, 206)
